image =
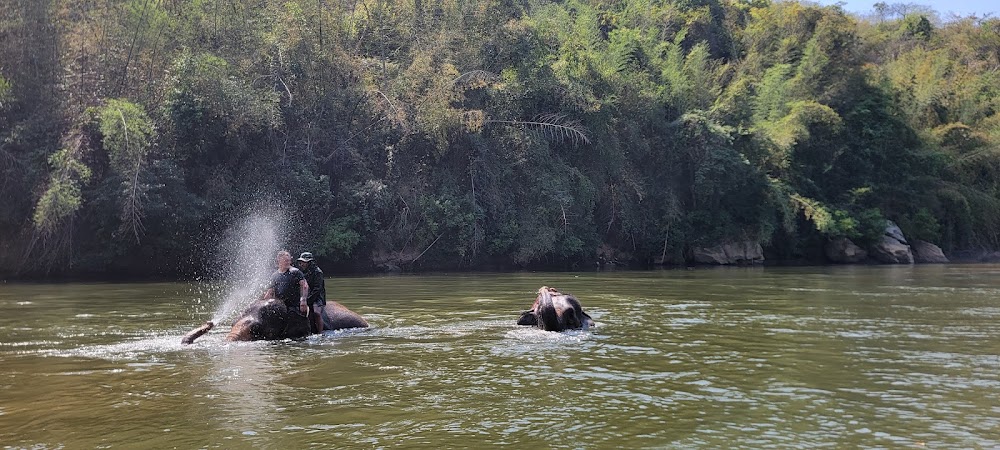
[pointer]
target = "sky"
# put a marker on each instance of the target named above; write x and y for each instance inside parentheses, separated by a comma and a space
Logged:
(943, 7)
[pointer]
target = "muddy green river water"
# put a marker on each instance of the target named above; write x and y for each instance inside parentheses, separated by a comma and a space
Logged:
(835, 357)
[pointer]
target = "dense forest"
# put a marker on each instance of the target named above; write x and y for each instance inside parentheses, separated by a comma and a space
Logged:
(472, 134)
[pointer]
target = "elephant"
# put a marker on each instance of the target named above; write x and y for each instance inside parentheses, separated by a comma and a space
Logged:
(555, 311)
(272, 320)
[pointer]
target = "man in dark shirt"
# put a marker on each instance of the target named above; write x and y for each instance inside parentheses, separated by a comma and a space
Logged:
(287, 283)
(317, 289)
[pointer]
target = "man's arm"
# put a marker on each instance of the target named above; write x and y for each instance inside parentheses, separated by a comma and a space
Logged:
(303, 295)
(269, 293)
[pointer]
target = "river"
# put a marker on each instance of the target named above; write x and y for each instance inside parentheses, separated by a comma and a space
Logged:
(841, 357)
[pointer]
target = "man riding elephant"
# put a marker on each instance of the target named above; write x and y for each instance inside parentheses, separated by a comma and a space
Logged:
(317, 290)
(271, 318)
(286, 282)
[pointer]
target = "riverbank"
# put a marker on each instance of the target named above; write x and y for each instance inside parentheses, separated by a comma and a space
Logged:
(333, 270)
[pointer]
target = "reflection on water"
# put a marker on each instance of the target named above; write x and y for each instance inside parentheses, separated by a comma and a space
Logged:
(758, 358)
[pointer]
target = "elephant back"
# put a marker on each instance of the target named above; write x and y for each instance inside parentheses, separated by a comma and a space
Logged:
(338, 317)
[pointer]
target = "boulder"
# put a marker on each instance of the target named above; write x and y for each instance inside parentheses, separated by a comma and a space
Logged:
(744, 253)
(710, 255)
(925, 252)
(842, 250)
(890, 251)
(893, 231)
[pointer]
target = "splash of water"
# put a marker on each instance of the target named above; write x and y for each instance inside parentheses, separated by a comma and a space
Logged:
(250, 246)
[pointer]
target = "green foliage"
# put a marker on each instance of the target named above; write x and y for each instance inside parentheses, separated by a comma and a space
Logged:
(127, 134)
(917, 26)
(450, 219)
(864, 227)
(729, 198)
(340, 239)
(206, 90)
(772, 98)
(59, 202)
(921, 225)
(6, 91)
(62, 197)
(66, 162)
(430, 91)
(871, 226)
(444, 135)
(821, 217)
(690, 78)
(794, 128)
(978, 216)
(839, 224)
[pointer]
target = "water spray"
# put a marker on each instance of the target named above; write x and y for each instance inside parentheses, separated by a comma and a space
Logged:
(249, 248)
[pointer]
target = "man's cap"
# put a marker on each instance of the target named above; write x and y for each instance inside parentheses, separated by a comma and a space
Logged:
(306, 256)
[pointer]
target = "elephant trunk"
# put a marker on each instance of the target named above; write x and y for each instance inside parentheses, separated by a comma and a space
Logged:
(197, 333)
(548, 317)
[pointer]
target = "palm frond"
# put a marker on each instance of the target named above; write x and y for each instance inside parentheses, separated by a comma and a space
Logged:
(554, 126)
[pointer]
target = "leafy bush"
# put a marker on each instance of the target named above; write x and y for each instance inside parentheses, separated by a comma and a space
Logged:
(921, 225)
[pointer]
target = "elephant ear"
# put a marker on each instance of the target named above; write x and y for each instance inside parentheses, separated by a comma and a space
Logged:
(573, 318)
(270, 321)
(528, 318)
(296, 326)
(579, 318)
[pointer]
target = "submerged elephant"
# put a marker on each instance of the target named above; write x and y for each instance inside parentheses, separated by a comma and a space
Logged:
(555, 311)
(271, 320)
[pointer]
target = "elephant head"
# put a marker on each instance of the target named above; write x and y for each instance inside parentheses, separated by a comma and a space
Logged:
(269, 320)
(555, 311)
